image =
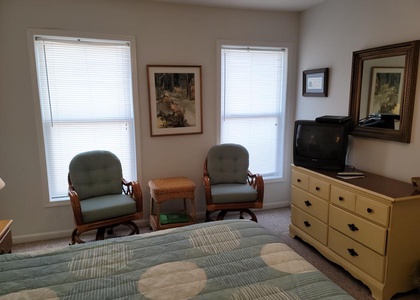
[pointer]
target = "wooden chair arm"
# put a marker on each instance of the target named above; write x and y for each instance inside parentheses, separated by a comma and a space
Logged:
(133, 189)
(257, 182)
(75, 205)
(205, 172)
(207, 189)
(207, 184)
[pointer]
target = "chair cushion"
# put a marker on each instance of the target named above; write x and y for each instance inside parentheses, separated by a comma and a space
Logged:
(96, 173)
(227, 163)
(107, 207)
(232, 193)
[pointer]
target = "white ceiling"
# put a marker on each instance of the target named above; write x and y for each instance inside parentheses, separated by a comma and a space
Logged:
(274, 5)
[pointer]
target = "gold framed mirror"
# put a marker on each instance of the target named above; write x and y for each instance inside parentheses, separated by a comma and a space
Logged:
(382, 91)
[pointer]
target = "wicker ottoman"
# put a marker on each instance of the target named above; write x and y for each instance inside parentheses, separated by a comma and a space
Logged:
(164, 189)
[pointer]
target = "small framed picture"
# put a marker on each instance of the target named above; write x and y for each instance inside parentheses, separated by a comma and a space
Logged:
(315, 83)
(175, 100)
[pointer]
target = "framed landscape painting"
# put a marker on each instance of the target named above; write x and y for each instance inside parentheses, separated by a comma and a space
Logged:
(386, 90)
(175, 100)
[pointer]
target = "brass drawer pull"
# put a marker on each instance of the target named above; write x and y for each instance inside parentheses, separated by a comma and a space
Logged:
(352, 252)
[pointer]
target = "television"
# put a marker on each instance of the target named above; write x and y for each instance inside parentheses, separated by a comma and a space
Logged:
(320, 145)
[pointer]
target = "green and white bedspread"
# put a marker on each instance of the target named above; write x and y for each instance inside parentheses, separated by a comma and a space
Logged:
(232, 259)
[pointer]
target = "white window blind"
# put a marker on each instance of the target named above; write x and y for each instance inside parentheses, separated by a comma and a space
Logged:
(252, 88)
(86, 99)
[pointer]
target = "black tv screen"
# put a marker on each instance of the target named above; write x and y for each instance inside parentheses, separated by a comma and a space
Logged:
(320, 145)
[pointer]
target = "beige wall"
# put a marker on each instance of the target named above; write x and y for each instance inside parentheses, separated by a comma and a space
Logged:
(330, 32)
(165, 34)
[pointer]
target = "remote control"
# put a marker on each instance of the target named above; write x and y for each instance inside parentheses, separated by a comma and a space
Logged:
(354, 173)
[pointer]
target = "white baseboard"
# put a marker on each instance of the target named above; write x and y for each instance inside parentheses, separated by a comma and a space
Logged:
(141, 223)
(57, 234)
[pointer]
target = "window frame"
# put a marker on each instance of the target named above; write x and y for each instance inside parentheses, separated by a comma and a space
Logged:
(282, 133)
(31, 33)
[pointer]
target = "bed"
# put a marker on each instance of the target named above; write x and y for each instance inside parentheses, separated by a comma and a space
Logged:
(232, 259)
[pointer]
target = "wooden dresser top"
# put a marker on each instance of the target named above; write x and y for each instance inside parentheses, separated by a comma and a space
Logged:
(4, 226)
(380, 184)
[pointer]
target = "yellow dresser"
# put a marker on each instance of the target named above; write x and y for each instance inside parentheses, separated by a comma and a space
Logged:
(369, 226)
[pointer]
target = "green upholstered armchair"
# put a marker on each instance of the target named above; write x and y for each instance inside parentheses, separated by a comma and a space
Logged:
(99, 195)
(228, 184)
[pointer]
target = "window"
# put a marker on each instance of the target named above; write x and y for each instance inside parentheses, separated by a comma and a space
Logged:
(86, 103)
(252, 104)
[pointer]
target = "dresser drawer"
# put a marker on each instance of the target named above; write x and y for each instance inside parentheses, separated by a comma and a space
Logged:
(372, 210)
(310, 204)
(343, 198)
(319, 188)
(300, 180)
(365, 259)
(310, 225)
(365, 232)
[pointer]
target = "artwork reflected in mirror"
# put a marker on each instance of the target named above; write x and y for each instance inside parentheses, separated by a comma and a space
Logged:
(383, 90)
(386, 88)
(381, 101)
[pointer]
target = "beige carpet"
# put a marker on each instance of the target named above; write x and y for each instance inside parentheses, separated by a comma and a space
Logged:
(277, 221)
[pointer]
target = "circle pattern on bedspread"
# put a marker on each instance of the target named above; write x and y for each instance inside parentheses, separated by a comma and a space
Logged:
(261, 291)
(215, 239)
(174, 280)
(101, 261)
(36, 294)
(281, 257)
